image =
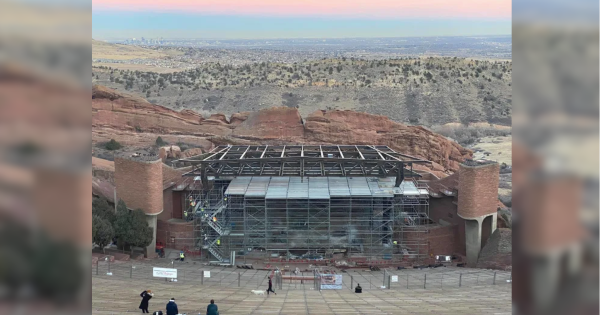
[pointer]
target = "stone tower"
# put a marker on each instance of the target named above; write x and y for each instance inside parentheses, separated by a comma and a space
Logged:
(477, 203)
(138, 179)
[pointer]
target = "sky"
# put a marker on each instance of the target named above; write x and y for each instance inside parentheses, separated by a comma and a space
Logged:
(256, 19)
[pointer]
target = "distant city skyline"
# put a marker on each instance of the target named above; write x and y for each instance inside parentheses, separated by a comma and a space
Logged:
(266, 19)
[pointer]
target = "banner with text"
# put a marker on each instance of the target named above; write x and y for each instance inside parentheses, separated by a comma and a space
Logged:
(331, 282)
(164, 272)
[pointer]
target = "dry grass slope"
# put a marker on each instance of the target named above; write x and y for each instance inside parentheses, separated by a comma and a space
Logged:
(424, 91)
(104, 50)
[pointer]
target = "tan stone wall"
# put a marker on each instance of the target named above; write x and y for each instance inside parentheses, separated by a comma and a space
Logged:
(478, 190)
(140, 184)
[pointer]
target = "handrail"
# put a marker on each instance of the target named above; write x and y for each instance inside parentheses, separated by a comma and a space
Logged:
(217, 253)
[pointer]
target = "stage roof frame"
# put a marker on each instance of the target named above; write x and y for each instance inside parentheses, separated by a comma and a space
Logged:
(303, 161)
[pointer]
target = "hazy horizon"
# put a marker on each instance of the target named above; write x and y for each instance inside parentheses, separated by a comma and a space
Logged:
(293, 38)
(270, 19)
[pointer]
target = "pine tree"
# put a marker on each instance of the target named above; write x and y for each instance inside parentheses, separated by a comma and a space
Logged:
(102, 209)
(104, 232)
(131, 227)
(141, 235)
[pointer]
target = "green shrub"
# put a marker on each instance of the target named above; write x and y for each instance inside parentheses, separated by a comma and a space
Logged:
(113, 145)
(160, 142)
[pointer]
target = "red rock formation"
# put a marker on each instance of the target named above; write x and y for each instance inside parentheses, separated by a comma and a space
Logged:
(103, 179)
(219, 117)
(191, 152)
(171, 151)
(121, 112)
(103, 169)
(192, 115)
(349, 127)
(103, 188)
(117, 115)
(238, 118)
(497, 252)
(273, 123)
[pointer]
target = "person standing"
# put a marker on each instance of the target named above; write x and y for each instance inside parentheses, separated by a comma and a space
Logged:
(270, 289)
(172, 307)
(358, 289)
(146, 296)
(181, 255)
(212, 308)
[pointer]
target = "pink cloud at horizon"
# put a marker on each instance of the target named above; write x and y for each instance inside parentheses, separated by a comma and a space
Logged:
(474, 9)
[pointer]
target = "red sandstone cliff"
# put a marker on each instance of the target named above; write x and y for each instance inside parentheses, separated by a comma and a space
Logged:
(118, 115)
(349, 127)
(122, 112)
(283, 123)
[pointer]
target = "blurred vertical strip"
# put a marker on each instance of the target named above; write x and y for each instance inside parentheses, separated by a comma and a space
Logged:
(45, 156)
(555, 156)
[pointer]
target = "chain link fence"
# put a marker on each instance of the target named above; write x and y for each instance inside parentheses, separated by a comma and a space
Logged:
(408, 279)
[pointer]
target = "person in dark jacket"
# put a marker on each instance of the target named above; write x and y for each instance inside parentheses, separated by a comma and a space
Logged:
(358, 289)
(146, 296)
(172, 307)
(212, 308)
(270, 289)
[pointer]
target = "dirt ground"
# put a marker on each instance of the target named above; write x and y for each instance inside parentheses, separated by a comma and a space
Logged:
(499, 149)
(103, 50)
(136, 67)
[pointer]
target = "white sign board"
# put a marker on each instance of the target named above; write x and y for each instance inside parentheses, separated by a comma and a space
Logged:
(207, 274)
(394, 279)
(164, 272)
(331, 282)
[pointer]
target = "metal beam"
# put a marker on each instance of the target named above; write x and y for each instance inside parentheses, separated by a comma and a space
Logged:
(380, 152)
(265, 150)
(224, 154)
(291, 161)
(339, 149)
(244, 154)
(360, 153)
(215, 153)
(380, 155)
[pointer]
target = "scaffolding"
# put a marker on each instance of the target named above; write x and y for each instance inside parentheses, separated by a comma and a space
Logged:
(290, 216)
(320, 200)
